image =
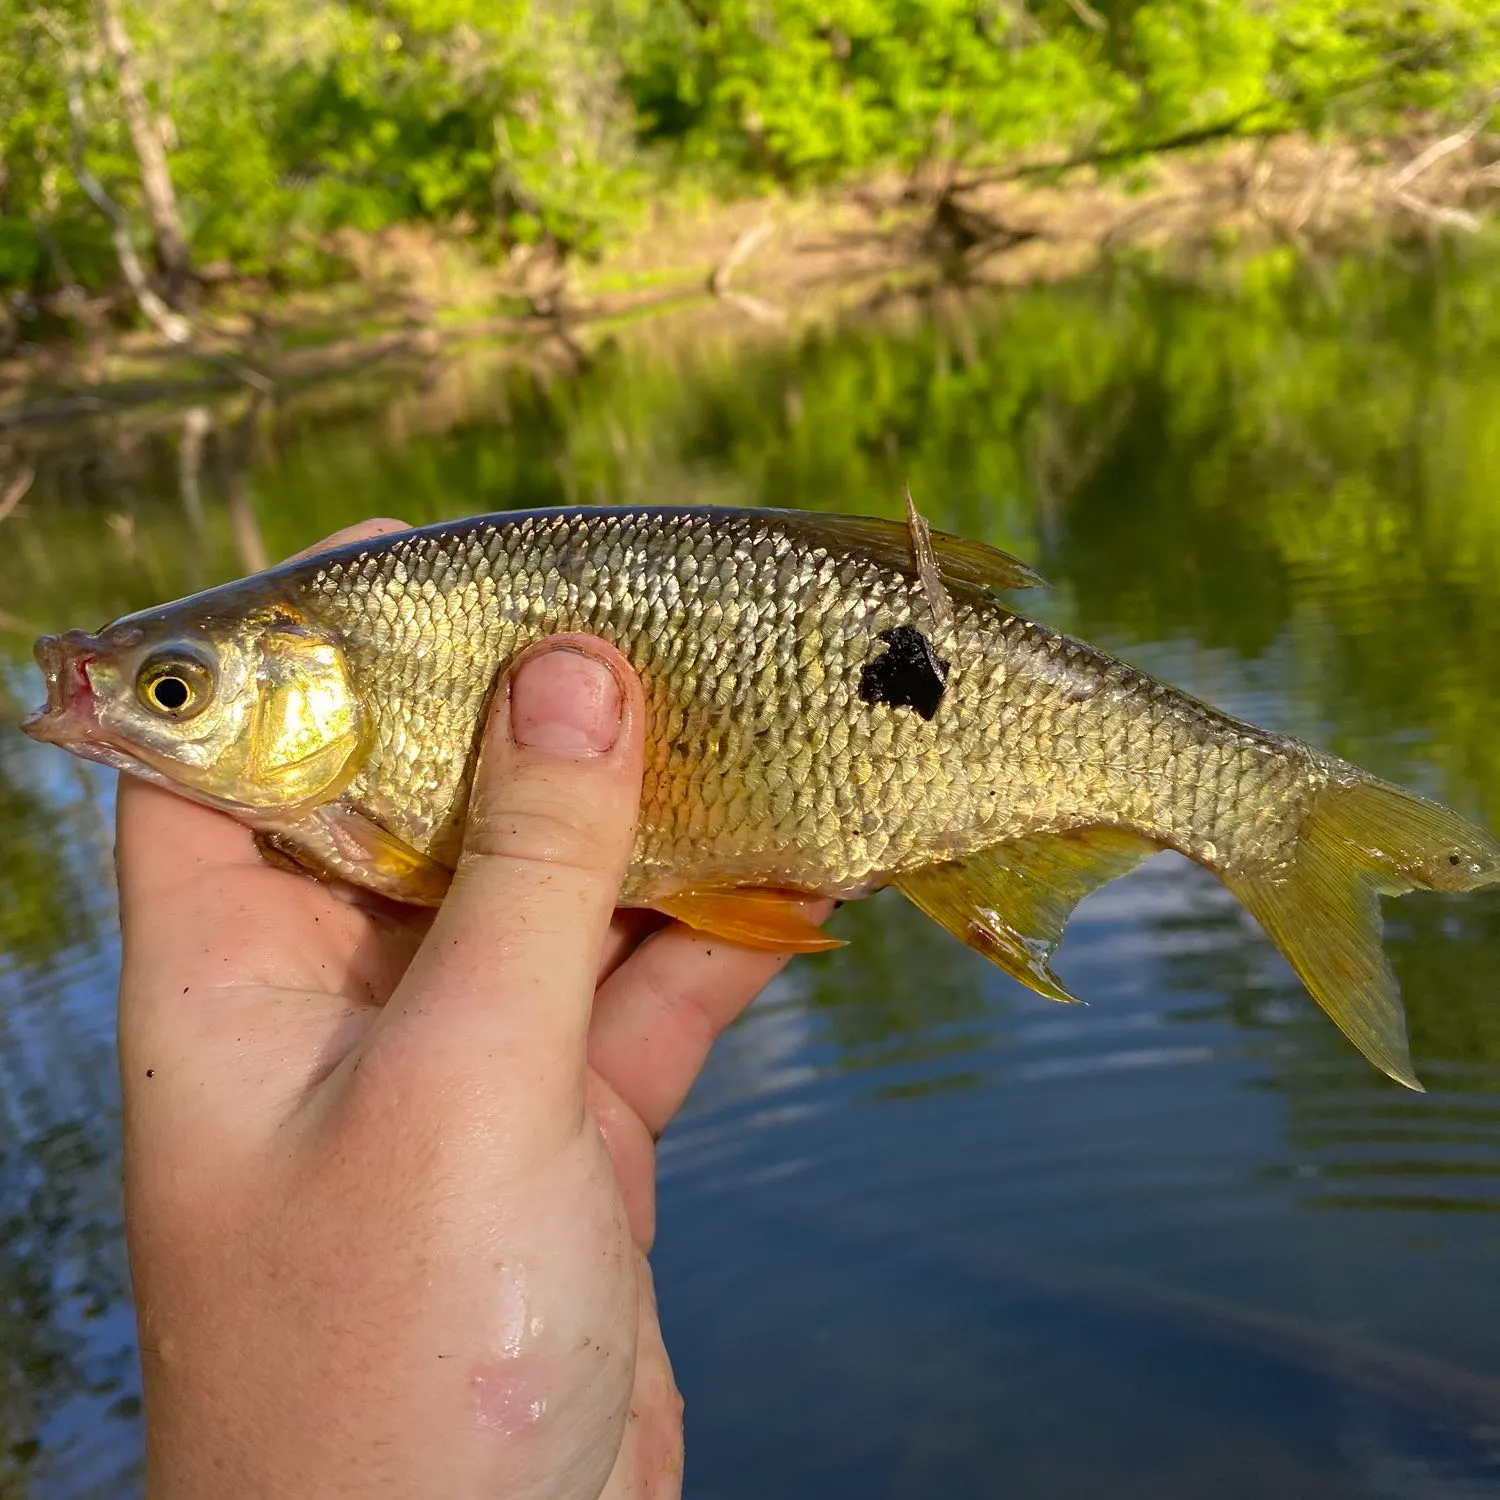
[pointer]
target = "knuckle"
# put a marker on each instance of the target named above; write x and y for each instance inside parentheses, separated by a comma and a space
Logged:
(544, 822)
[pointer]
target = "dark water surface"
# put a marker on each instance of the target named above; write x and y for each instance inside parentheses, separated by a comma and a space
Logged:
(923, 1232)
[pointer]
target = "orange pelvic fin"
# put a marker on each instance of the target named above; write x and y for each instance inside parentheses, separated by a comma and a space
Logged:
(749, 915)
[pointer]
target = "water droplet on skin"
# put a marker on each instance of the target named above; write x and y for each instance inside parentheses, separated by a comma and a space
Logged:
(515, 1323)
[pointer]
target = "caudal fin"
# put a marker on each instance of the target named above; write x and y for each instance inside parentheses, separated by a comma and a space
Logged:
(1359, 842)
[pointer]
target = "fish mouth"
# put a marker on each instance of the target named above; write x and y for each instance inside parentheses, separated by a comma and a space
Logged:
(69, 715)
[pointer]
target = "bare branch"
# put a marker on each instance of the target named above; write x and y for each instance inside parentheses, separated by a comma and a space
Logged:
(744, 246)
(172, 326)
(1454, 218)
(739, 252)
(1203, 135)
(1437, 151)
(1088, 15)
(145, 135)
(754, 307)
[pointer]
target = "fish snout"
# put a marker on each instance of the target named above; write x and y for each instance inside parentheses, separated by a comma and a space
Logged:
(69, 710)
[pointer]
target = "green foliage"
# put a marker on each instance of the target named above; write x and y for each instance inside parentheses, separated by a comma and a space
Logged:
(287, 119)
(528, 120)
(812, 91)
(1306, 64)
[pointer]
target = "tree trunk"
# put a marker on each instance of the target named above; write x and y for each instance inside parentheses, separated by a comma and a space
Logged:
(156, 179)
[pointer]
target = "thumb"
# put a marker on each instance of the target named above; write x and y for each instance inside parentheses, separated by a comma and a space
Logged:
(497, 1000)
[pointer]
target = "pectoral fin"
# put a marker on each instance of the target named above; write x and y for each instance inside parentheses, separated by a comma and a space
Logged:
(1011, 902)
(342, 842)
(757, 918)
(388, 863)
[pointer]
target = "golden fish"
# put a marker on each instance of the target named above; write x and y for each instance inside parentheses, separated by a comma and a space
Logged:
(834, 704)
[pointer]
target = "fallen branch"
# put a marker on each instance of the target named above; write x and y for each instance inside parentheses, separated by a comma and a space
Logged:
(754, 307)
(743, 248)
(1455, 218)
(1183, 141)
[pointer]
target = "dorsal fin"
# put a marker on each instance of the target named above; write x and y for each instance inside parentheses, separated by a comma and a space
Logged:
(889, 543)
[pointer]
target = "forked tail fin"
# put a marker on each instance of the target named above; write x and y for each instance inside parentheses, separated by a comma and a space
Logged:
(1361, 841)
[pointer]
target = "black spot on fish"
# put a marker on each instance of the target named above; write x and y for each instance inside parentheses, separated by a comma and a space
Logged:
(910, 675)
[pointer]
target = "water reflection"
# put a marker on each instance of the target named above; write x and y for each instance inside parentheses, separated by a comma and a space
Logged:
(1276, 493)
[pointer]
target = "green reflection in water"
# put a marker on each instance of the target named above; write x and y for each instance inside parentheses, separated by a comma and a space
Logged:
(40, 894)
(903, 996)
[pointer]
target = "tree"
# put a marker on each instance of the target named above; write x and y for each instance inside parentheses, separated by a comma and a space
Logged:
(156, 177)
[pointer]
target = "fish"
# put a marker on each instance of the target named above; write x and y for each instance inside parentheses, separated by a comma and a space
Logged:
(834, 704)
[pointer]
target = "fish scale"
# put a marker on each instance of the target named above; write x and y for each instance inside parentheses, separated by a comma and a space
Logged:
(750, 647)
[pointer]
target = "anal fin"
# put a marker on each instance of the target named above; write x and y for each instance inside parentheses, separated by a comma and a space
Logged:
(1011, 902)
(757, 918)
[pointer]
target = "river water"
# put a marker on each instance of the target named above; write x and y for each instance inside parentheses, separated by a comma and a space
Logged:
(923, 1232)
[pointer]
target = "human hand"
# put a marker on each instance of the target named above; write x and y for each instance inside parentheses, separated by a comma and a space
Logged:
(390, 1175)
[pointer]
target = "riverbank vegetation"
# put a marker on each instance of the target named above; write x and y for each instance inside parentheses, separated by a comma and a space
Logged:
(159, 158)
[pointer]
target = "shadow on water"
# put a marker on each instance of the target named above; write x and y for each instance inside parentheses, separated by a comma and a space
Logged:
(1276, 492)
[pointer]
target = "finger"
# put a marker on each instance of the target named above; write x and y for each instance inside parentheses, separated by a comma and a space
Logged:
(660, 1012)
(173, 861)
(201, 913)
(498, 996)
(361, 531)
(632, 1153)
(630, 928)
(163, 841)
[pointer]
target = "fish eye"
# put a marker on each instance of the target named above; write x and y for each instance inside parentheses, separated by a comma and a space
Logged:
(175, 686)
(170, 694)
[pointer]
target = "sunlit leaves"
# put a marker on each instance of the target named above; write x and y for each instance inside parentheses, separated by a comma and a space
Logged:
(526, 120)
